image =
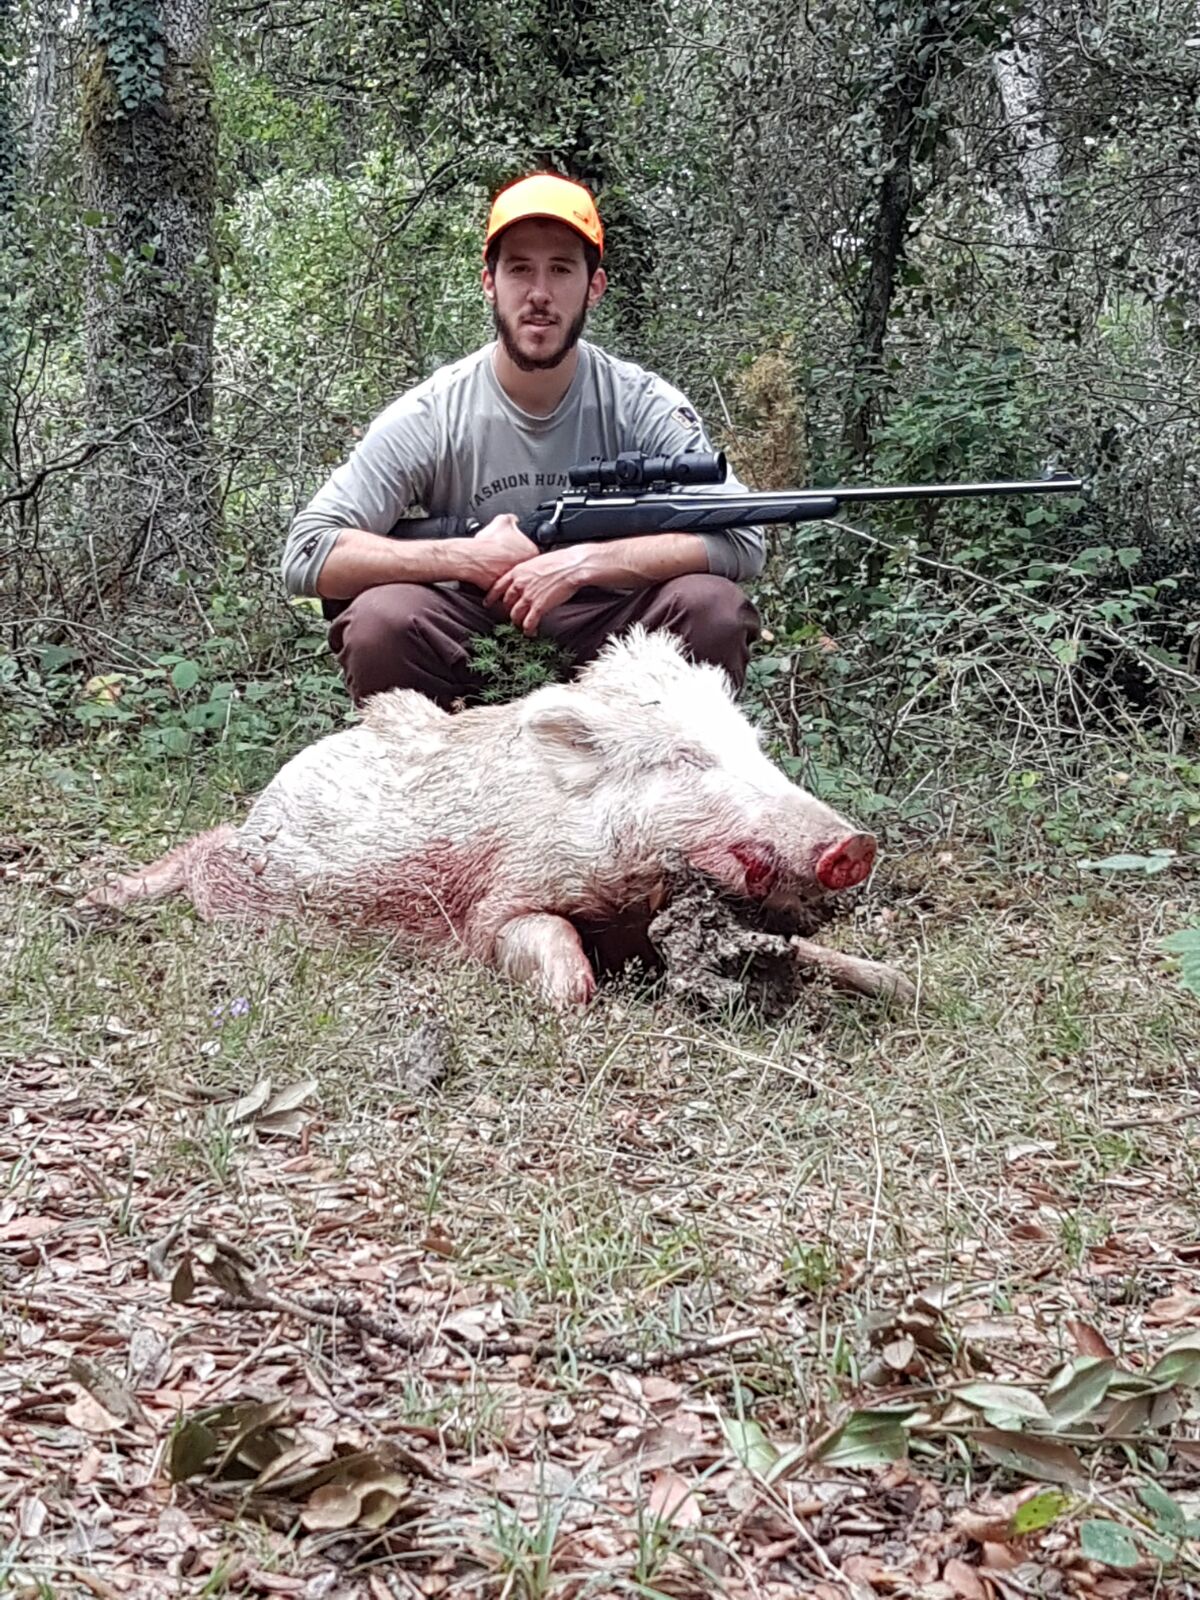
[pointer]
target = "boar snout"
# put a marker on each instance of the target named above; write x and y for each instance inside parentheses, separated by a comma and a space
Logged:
(846, 863)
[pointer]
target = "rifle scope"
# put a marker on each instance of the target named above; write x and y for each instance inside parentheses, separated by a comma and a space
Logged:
(633, 471)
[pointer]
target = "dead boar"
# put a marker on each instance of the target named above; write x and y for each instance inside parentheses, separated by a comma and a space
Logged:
(500, 827)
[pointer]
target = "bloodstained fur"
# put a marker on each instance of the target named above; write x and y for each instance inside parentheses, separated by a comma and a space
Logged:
(427, 896)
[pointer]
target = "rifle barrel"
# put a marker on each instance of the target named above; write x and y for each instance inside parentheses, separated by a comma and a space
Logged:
(1060, 483)
(853, 494)
(783, 500)
(578, 516)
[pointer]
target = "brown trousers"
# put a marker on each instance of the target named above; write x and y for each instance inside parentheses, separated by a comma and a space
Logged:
(419, 636)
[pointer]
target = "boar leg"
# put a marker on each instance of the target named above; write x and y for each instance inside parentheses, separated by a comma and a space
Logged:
(852, 972)
(544, 951)
(166, 876)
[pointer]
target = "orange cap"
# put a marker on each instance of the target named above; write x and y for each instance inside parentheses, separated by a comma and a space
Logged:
(545, 194)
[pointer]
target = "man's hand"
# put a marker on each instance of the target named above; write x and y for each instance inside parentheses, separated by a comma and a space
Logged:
(494, 551)
(533, 587)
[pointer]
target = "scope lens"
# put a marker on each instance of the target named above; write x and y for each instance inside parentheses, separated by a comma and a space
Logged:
(697, 466)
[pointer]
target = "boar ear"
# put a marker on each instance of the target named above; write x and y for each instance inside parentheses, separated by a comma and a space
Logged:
(566, 734)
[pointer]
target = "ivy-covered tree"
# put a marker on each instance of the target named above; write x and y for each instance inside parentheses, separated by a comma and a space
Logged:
(149, 138)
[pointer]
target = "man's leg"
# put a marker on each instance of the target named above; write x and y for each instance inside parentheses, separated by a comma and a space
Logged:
(710, 615)
(410, 636)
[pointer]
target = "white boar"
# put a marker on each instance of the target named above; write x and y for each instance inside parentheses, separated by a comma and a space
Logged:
(502, 827)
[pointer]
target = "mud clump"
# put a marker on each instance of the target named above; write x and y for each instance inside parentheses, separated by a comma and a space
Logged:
(716, 952)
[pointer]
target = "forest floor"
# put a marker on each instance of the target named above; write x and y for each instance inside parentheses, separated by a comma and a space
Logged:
(330, 1273)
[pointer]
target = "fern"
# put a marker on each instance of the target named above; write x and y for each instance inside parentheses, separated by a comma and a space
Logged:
(511, 664)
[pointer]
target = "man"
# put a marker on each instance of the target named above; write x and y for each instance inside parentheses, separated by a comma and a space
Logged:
(490, 436)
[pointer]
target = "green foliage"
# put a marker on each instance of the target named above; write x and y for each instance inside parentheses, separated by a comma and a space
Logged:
(1042, 1511)
(1108, 1542)
(810, 1269)
(512, 664)
(1156, 861)
(1161, 1532)
(239, 711)
(1186, 945)
(131, 36)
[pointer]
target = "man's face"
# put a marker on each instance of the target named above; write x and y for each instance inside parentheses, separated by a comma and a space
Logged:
(540, 293)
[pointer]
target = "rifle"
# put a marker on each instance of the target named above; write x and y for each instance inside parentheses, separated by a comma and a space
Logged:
(636, 493)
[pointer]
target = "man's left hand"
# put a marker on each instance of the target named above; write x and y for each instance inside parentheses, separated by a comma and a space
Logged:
(532, 588)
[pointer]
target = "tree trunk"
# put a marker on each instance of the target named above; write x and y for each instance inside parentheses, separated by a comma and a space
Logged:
(1018, 74)
(912, 68)
(10, 184)
(149, 166)
(47, 89)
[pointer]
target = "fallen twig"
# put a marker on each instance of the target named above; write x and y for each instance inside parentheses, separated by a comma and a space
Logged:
(327, 1310)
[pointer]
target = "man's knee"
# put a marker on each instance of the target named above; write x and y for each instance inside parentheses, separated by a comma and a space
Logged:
(385, 639)
(712, 616)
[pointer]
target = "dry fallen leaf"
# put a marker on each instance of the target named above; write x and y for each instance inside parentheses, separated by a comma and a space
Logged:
(1174, 1308)
(290, 1097)
(998, 1557)
(149, 1358)
(1029, 1147)
(107, 1389)
(287, 1124)
(32, 1514)
(468, 1324)
(871, 1572)
(332, 1506)
(672, 1499)
(249, 1103)
(89, 1416)
(661, 1447)
(964, 1580)
(658, 1391)
(1088, 1342)
(20, 1230)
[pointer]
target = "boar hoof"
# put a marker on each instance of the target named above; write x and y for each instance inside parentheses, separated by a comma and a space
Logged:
(544, 951)
(567, 990)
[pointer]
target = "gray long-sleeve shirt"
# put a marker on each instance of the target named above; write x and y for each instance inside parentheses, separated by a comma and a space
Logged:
(456, 445)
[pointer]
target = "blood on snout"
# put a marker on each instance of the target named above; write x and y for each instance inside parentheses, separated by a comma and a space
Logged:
(843, 865)
(760, 865)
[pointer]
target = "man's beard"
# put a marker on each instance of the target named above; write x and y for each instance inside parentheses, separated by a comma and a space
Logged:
(506, 333)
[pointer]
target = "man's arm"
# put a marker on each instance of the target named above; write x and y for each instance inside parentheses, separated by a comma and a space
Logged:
(529, 590)
(336, 547)
(359, 560)
(637, 563)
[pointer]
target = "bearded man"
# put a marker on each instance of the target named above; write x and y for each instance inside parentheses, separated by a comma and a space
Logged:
(488, 438)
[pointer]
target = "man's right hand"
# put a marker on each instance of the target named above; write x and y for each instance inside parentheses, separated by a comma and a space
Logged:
(496, 549)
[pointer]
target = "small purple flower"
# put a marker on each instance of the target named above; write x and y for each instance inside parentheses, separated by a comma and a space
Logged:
(239, 1007)
(218, 1015)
